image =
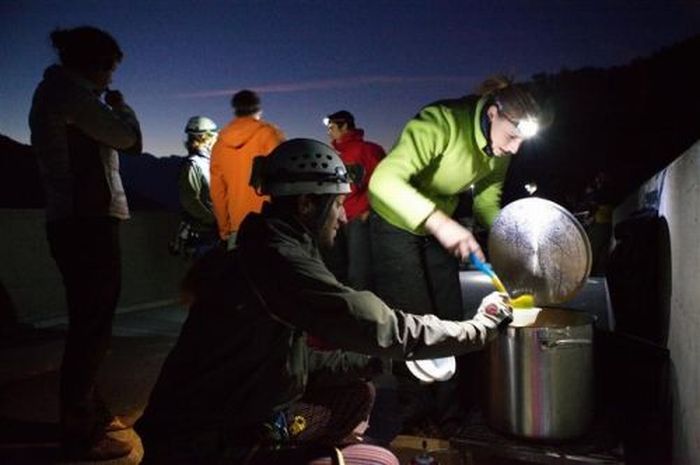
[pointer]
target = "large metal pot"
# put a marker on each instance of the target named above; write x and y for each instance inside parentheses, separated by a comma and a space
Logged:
(541, 376)
(541, 370)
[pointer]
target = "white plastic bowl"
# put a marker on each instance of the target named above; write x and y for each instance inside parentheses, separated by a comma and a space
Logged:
(430, 370)
(524, 316)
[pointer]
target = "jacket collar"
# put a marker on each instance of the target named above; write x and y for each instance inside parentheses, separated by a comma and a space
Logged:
(350, 136)
(277, 226)
(202, 153)
(67, 74)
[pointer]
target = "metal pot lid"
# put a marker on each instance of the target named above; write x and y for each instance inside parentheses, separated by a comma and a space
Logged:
(538, 247)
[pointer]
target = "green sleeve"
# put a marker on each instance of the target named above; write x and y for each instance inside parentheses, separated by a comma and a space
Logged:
(488, 192)
(391, 192)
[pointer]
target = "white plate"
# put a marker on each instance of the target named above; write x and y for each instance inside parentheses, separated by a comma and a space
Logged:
(436, 369)
(417, 372)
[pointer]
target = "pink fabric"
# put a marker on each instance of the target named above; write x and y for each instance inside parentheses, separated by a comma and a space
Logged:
(362, 454)
(333, 414)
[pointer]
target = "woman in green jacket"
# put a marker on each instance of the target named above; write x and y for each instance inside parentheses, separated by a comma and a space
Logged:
(448, 148)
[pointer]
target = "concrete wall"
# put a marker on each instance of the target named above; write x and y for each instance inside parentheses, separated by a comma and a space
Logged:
(678, 189)
(31, 278)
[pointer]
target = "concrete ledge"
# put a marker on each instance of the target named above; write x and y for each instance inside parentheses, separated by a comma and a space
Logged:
(150, 275)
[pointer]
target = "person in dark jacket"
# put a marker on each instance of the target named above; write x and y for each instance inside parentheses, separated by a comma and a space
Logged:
(229, 392)
(75, 135)
(361, 157)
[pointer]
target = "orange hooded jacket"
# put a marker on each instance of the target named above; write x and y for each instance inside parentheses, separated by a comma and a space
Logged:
(231, 164)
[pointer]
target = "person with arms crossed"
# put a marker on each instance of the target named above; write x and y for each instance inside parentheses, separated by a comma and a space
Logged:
(361, 157)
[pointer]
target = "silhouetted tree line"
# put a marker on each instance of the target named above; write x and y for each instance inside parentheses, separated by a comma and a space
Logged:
(628, 122)
(150, 182)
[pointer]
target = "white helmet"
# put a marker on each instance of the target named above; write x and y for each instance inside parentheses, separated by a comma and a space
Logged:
(300, 166)
(200, 125)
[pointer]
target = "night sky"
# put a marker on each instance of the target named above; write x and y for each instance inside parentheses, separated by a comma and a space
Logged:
(381, 60)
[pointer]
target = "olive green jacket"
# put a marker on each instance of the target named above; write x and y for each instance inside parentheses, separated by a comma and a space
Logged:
(438, 155)
(242, 353)
(195, 200)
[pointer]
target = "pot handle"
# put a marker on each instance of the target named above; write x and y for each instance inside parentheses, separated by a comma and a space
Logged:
(564, 343)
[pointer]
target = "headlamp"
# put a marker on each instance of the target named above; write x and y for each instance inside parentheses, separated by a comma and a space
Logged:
(527, 127)
(326, 121)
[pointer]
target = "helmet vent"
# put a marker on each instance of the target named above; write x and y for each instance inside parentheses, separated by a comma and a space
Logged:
(303, 166)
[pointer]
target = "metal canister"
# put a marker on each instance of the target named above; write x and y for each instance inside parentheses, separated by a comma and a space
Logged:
(541, 377)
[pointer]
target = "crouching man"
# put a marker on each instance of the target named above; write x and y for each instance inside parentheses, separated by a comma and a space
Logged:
(241, 384)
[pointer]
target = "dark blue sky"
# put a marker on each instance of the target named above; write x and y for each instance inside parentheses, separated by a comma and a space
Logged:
(382, 60)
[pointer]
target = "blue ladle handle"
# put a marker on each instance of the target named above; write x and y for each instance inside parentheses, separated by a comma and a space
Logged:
(481, 266)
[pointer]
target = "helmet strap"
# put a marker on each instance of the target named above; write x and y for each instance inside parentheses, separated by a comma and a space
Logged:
(322, 206)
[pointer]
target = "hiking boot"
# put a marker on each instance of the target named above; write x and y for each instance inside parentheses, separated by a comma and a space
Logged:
(106, 420)
(103, 448)
(115, 423)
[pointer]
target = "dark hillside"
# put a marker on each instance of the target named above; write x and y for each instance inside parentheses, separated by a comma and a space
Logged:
(20, 186)
(628, 122)
(150, 182)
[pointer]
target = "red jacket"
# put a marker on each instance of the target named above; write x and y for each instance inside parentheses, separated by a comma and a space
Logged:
(354, 150)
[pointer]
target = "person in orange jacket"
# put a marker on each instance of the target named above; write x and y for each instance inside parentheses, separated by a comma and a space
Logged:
(244, 138)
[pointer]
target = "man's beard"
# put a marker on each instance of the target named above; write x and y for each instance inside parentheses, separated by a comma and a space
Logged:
(325, 241)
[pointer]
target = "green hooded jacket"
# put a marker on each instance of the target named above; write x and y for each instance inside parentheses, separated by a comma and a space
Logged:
(438, 156)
